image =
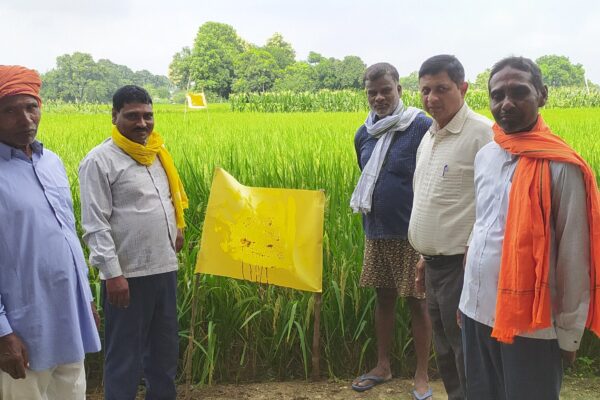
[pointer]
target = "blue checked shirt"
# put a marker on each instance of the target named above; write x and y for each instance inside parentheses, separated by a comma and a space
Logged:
(393, 193)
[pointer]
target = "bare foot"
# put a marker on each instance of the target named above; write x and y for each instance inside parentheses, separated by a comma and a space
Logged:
(381, 372)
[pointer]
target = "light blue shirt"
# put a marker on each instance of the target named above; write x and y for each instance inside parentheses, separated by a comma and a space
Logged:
(44, 291)
(569, 246)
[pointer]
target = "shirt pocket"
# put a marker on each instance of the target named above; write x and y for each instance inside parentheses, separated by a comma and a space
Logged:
(447, 185)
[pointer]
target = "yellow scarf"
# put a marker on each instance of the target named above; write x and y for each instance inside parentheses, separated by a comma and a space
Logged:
(146, 155)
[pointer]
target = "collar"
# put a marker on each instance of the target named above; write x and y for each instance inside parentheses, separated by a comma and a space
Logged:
(7, 152)
(456, 123)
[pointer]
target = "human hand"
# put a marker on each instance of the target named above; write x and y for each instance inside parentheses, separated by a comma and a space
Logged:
(568, 357)
(458, 319)
(14, 359)
(420, 276)
(95, 314)
(179, 240)
(117, 290)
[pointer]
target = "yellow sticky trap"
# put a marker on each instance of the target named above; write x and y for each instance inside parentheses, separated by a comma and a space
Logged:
(272, 236)
(196, 100)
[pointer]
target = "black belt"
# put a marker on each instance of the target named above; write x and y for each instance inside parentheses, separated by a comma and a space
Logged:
(443, 260)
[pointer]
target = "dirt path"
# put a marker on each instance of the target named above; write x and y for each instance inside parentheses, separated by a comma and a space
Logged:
(397, 389)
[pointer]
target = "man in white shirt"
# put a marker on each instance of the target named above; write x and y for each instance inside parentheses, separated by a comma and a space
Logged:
(132, 213)
(529, 254)
(444, 205)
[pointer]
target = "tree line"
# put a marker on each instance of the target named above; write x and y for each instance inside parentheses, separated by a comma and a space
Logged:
(77, 78)
(220, 63)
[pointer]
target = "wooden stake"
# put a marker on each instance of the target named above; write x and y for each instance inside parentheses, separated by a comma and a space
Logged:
(189, 351)
(316, 345)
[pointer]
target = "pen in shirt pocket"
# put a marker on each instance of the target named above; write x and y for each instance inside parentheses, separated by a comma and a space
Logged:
(444, 170)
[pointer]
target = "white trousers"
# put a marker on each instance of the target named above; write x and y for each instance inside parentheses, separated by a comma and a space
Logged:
(63, 382)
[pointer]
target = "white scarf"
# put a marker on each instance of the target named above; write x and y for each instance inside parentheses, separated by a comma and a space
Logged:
(384, 130)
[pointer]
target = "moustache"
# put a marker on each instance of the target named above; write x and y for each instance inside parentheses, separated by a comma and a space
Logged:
(31, 131)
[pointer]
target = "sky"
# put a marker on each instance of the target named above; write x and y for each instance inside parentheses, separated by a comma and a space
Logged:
(145, 34)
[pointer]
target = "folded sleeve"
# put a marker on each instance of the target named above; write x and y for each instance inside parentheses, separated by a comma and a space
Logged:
(5, 328)
(572, 296)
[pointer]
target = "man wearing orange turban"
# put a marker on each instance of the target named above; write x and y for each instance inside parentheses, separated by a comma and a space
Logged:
(46, 322)
(15, 80)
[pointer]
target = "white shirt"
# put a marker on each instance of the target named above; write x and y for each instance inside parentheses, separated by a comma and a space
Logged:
(569, 246)
(127, 214)
(444, 204)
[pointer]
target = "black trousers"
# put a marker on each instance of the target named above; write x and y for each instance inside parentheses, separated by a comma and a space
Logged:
(527, 369)
(443, 283)
(142, 339)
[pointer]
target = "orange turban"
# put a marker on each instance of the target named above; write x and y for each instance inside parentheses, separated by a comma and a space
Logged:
(15, 79)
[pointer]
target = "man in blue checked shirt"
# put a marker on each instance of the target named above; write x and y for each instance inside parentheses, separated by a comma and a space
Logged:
(47, 317)
(386, 146)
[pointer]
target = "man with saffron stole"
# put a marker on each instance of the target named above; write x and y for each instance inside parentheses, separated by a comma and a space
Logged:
(533, 264)
(132, 203)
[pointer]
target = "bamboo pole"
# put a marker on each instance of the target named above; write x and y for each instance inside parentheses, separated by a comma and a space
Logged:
(316, 345)
(189, 350)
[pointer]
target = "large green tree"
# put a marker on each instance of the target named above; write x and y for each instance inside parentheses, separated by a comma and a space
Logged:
(481, 81)
(282, 51)
(350, 72)
(334, 74)
(559, 71)
(72, 79)
(326, 73)
(298, 77)
(410, 81)
(210, 62)
(179, 69)
(314, 58)
(319, 72)
(255, 71)
(114, 76)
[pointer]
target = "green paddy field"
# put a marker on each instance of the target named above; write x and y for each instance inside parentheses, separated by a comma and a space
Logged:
(247, 332)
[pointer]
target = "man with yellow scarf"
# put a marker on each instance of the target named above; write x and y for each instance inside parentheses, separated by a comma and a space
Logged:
(132, 203)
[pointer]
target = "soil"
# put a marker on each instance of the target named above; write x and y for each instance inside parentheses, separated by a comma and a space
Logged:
(573, 389)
